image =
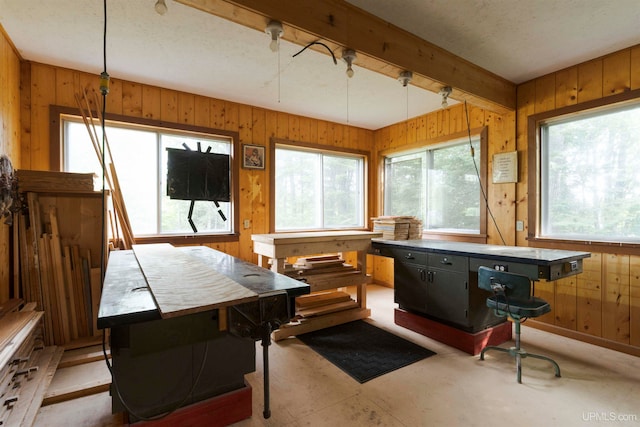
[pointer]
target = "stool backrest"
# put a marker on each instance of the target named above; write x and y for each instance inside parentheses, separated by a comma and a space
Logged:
(512, 284)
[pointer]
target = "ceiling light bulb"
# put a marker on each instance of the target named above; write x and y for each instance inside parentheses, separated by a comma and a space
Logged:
(405, 78)
(274, 44)
(445, 92)
(161, 7)
(275, 30)
(349, 56)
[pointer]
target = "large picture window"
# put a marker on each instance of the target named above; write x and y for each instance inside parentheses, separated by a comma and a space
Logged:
(589, 178)
(140, 157)
(316, 189)
(439, 184)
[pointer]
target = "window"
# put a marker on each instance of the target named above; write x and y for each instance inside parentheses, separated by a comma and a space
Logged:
(140, 157)
(589, 179)
(318, 189)
(439, 184)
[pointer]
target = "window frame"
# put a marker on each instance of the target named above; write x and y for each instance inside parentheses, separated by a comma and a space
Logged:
(322, 149)
(482, 134)
(56, 112)
(534, 179)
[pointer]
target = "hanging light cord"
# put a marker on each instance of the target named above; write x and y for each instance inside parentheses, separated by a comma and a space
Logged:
(104, 89)
(484, 194)
(335, 61)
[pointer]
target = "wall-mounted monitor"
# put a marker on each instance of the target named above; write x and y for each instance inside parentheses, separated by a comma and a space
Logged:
(197, 175)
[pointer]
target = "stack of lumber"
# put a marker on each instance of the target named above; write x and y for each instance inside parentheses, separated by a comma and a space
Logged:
(398, 227)
(320, 303)
(26, 366)
(56, 272)
(324, 271)
(47, 181)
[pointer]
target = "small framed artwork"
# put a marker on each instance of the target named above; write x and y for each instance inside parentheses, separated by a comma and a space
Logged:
(253, 156)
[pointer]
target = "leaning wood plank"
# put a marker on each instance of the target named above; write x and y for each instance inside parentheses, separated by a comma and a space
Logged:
(82, 355)
(31, 394)
(315, 300)
(321, 322)
(181, 284)
(326, 309)
(78, 381)
(68, 273)
(63, 282)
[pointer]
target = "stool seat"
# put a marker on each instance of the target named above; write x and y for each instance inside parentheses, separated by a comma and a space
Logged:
(511, 295)
(521, 307)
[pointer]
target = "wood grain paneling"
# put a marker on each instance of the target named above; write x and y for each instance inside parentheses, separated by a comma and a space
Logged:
(10, 134)
(53, 85)
(606, 303)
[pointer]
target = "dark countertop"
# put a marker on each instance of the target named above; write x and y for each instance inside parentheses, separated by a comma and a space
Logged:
(126, 297)
(521, 254)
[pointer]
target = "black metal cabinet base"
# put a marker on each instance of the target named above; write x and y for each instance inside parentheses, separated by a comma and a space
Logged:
(161, 365)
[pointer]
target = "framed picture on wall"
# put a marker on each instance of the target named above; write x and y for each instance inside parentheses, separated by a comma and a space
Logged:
(253, 156)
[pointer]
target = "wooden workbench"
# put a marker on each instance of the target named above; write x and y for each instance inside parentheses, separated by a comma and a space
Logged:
(276, 248)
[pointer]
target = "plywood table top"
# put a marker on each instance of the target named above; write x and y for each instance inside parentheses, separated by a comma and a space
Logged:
(181, 284)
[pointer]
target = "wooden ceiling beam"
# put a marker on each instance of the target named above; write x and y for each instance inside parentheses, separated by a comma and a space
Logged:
(380, 46)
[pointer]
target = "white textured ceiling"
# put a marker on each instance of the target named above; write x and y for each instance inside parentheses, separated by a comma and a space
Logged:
(196, 52)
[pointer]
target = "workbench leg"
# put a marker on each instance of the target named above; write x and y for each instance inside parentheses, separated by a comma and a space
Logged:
(361, 295)
(266, 342)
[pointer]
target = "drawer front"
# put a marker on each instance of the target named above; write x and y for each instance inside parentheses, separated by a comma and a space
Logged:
(410, 256)
(448, 262)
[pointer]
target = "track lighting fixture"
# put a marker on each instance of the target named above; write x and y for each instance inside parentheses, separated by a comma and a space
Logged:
(445, 92)
(349, 56)
(275, 30)
(161, 7)
(405, 78)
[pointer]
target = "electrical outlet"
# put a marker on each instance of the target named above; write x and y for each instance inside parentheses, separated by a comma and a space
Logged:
(519, 225)
(247, 223)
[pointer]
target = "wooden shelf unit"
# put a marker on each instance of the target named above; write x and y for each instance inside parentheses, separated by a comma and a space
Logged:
(274, 249)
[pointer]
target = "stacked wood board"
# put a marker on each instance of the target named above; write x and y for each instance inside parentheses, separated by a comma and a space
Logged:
(58, 246)
(35, 180)
(323, 272)
(26, 366)
(398, 227)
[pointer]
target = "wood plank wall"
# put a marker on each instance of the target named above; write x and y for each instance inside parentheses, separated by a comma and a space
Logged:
(44, 85)
(453, 120)
(9, 141)
(601, 305)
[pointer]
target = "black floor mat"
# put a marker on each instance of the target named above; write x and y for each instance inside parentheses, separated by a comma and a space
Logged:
(364, 351)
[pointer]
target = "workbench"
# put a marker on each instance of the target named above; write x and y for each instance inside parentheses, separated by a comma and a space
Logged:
(183, 324)
(436, 285)
(274, 249)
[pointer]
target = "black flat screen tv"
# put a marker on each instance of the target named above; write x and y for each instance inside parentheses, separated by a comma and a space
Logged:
(197, 175)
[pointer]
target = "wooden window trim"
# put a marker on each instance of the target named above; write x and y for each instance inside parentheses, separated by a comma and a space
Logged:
(320, 148)
(533, 178)
(483, 133)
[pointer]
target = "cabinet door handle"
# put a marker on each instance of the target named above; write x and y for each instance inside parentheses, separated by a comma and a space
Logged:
(423, 276)
(445, 261)
(409, 256)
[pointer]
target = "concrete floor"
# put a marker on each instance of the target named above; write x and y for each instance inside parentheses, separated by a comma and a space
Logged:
(452, 388)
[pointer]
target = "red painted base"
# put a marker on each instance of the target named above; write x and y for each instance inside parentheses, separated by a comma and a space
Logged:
(217, 411)
(471, 343)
